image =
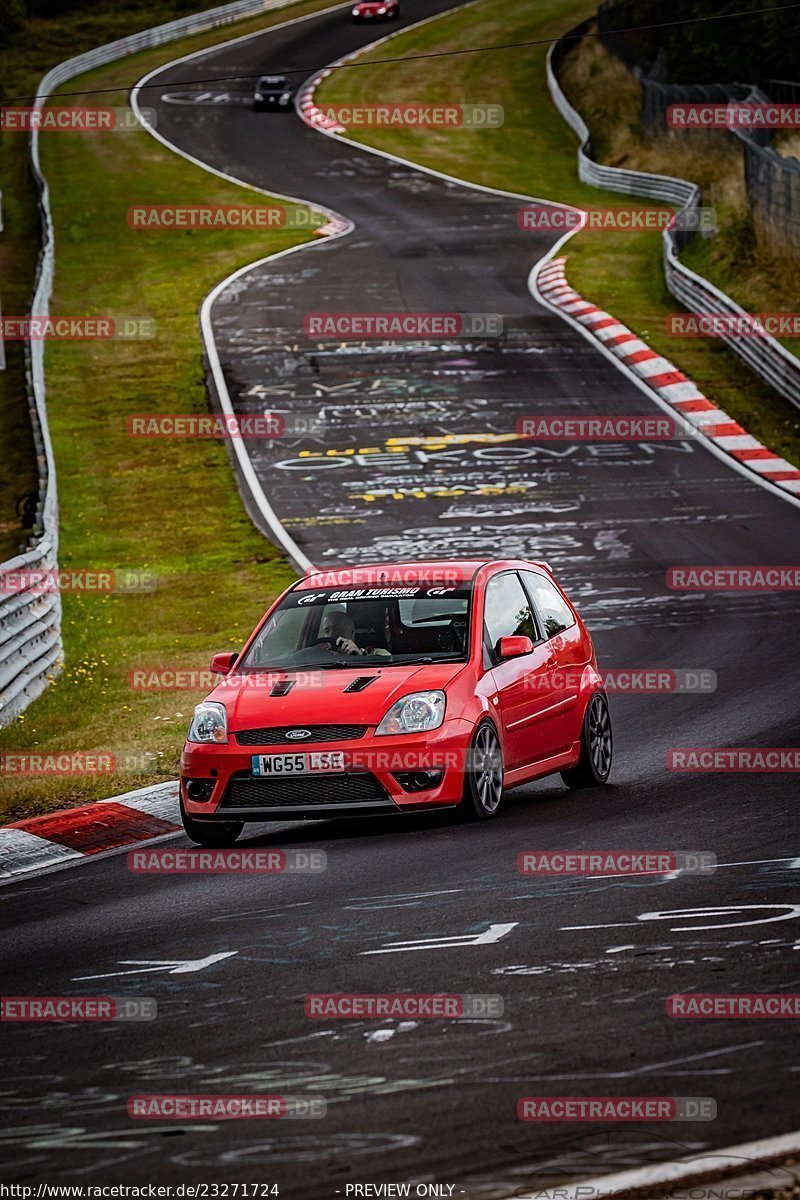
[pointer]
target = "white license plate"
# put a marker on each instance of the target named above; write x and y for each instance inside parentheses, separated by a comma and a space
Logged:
(298, 764)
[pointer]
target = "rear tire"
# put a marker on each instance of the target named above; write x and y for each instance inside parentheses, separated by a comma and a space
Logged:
(597, 745)
(483, 777)
(211, 833)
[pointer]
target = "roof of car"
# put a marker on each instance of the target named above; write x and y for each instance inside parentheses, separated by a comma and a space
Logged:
(394, 574)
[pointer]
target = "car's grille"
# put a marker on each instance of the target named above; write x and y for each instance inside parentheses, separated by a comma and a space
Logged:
(276, 735)
(306, 791)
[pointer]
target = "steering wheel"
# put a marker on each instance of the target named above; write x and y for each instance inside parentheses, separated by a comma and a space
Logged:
(330, 642)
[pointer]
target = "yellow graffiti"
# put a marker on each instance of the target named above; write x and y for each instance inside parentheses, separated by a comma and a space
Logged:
(513, 489)
(433, 442)
(323, 521)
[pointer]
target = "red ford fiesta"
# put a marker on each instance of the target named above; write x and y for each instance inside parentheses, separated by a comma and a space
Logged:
(392, 688)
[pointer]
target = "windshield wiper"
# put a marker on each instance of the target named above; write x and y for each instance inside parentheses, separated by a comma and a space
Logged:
(288, 668)
(415, 662)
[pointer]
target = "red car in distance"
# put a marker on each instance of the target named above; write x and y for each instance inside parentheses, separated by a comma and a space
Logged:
(376, 10)
(395, 688)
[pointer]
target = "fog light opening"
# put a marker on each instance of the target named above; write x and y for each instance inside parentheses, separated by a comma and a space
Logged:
(199, 790)
(419, 781)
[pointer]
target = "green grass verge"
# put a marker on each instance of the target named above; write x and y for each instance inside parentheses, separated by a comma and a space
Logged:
(170, 507)
(534, 152)
(29, 46)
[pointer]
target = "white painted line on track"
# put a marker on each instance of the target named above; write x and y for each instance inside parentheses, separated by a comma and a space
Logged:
(493, 934)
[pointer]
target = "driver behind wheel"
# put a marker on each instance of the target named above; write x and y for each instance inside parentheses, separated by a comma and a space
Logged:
(340, 628)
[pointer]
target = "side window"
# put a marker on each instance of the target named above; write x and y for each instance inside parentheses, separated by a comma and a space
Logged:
(507, 611)
(555, 612)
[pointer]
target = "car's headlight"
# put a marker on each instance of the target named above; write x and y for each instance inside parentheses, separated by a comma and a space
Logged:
(416, 713)
(209, 723)
(286, 97)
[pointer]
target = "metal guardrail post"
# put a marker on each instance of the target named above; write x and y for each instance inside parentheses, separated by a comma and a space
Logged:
(771, 361)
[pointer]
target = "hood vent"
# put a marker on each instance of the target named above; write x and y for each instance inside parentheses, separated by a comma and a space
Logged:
(282, 687)
(358, 684)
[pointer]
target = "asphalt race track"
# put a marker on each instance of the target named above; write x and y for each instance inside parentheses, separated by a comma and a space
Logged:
(584, 966)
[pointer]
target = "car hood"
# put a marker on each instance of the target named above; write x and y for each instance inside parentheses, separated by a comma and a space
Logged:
(320, 696)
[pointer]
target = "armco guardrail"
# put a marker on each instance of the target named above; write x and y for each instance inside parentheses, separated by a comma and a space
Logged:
(771, 361)
(30, 619)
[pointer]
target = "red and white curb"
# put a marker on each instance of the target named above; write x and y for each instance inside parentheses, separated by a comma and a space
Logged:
(549, 282)
(73, 835)
(307, 107)
(670, 384)
(692, 1171)
(310, 112)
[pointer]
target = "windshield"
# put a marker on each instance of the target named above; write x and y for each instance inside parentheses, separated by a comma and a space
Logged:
(376, 627)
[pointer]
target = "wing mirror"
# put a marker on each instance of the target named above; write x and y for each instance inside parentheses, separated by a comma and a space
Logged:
(221, 664)
(514, 647)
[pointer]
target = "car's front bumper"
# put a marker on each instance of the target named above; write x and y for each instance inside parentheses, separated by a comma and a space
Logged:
(265, 105)
(381, 775)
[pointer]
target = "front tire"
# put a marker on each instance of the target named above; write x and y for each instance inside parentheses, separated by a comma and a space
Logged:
(597, 745)
(210, 833)
(483, 778)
